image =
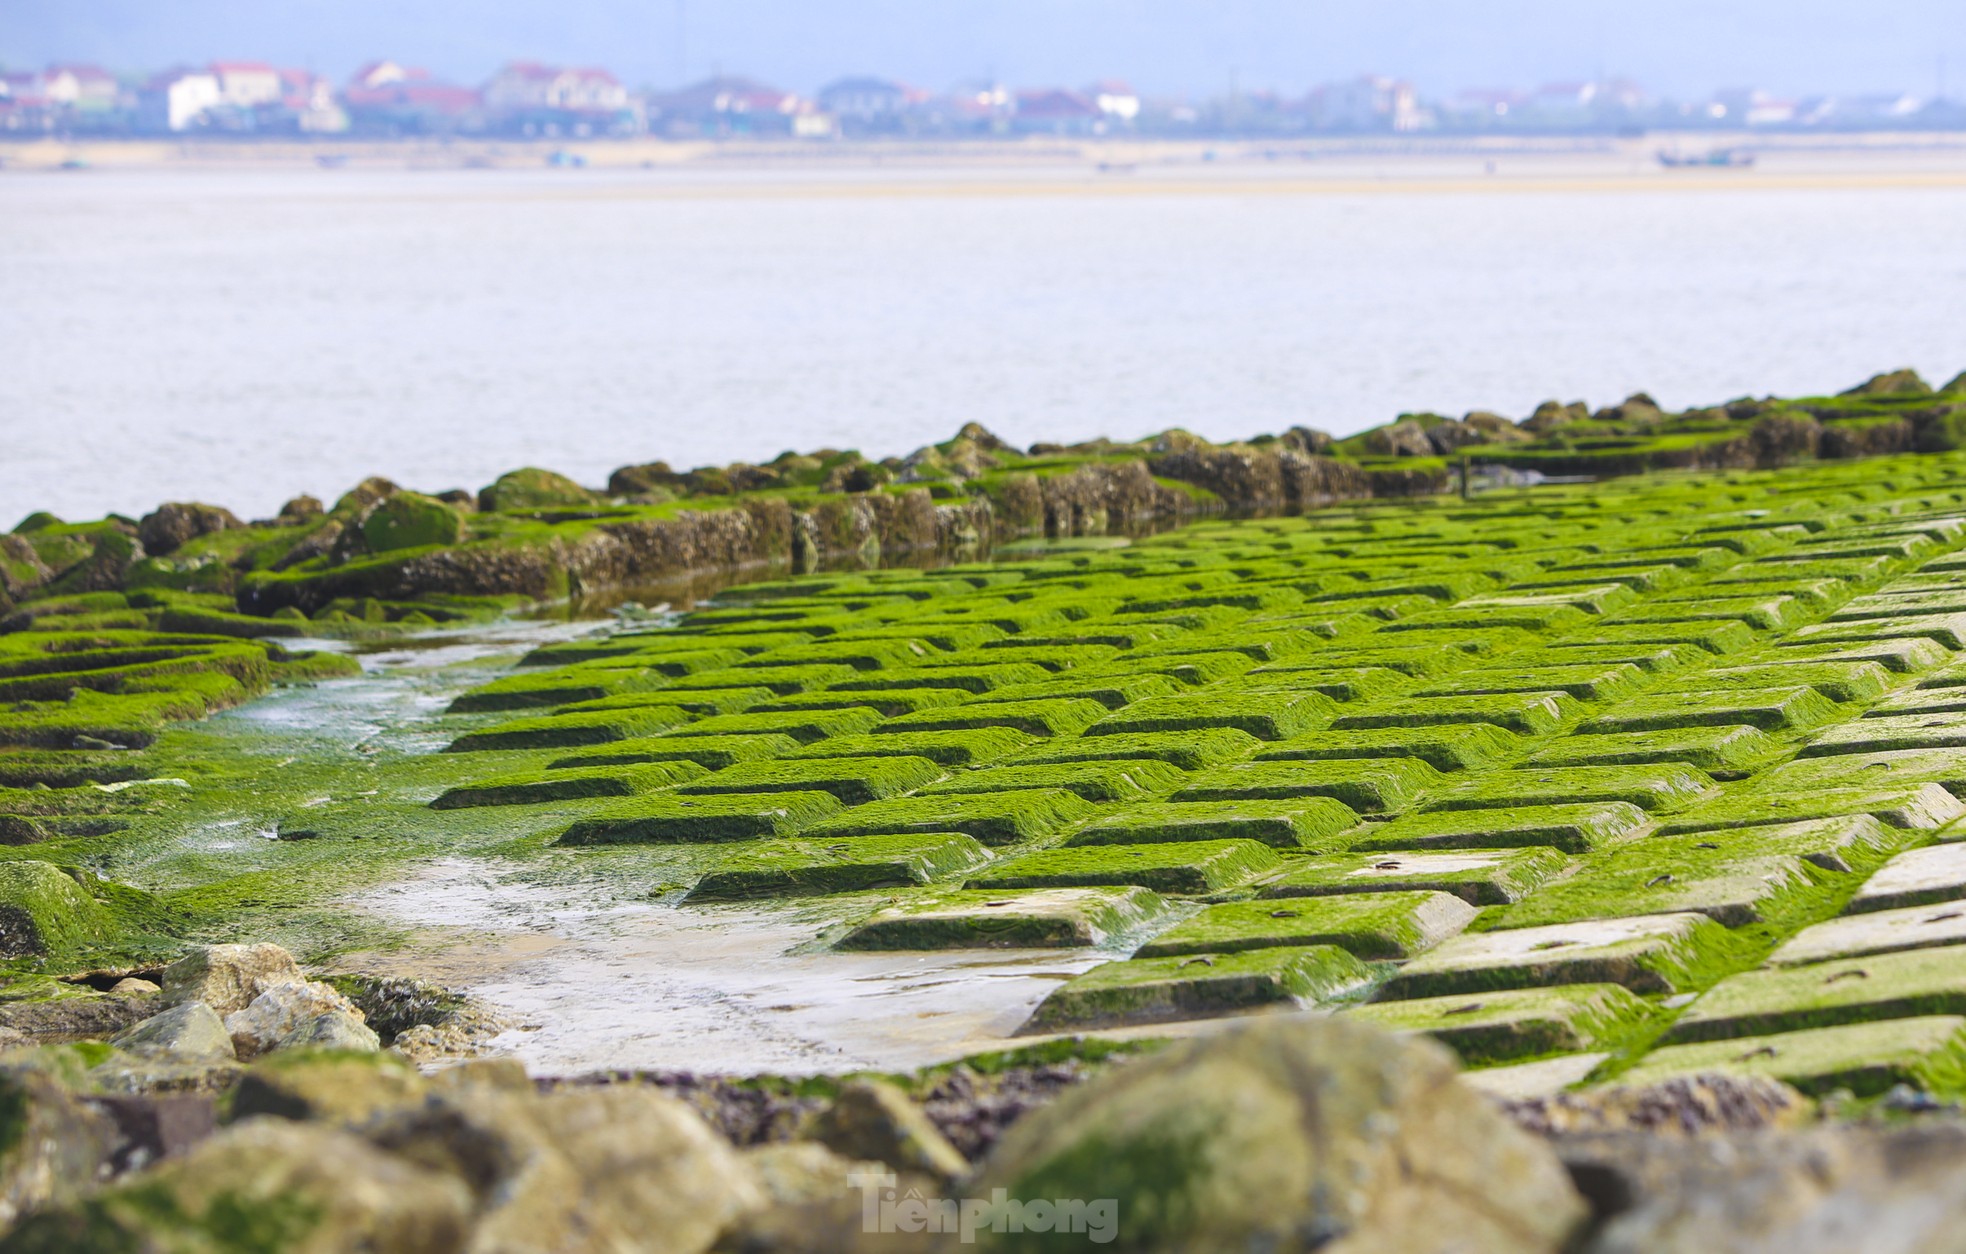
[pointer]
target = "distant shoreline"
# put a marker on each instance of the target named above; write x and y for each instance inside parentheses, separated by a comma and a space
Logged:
(1917, 153)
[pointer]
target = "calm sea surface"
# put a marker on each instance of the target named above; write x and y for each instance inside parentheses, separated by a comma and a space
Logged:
(242, 336)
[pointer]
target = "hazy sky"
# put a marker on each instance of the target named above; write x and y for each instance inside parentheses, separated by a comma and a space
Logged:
(1681, 47)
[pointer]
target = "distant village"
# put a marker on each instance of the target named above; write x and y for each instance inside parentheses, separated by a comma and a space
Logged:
(529, 100)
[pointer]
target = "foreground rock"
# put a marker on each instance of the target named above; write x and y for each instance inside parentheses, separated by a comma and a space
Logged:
(1292, 1136)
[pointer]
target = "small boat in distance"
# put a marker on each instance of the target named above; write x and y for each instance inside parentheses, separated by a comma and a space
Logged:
(1722, 158)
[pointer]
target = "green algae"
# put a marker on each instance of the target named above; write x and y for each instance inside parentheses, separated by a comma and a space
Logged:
(1020, 918)
(1176, 867)
(1511, 1026)
(802, 868)
(1095, 781)
(996, 819)
(1161, 990)
(1303, 821)
(1367, 785)
(577, 784)
(852, 780)
(1373, 926)
(1486, 877)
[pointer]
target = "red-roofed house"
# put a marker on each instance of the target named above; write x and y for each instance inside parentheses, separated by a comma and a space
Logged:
(80, 86)
(247, 83)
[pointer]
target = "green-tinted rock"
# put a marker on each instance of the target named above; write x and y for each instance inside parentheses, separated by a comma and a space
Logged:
(410, 520)
(44, 913)
(533, 488)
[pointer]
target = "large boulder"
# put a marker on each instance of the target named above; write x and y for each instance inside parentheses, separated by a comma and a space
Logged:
(328, 1086)
(533, 488)
(266, 1184)
(650, 477)
(191, 1032)
(602, 1168)
(228, 977)
(44, 912)
(371, 491)
(287, 1014)
(1405, 438)
(1891, 383)
(171, 526)
(1451, 434)
(1551, 415)
(1956, 386)
(410, 520)
(872, 1120)
(21, 568)
(1283, 1134)
(52, 1146)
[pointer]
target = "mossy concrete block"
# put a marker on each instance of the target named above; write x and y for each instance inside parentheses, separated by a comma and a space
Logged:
(981, 677)
(1203, 986)
(1887, 733)
(852, 780)
(1052, 658)
(569, 731)
(1055, 717)
(1658, 787)
(555, 688)
(535, 788)
(886, 703)
(1507, 1026)
(806, 868)
(45, 913)
(410, 520)
(1948, 630)
(1095, 781)
(1538, 619)
(1839, 681)
(1771, 709)
(1910, 806)
(1462, 747)
(1589, 682)
(1264, 715)
(861, 655)
(1717, 638)
(1526, 713)
(1662, 953)
(1868, 1059)
(1916, 877)
(1765, 612)
(805, 726)
(1572, 828)
(1903, 985)
(1653, 659)
(950, 749)
(1187, 750)
(703, 701)
(712, 753)
(1000, 819)
(1367, 785)
(781, 680)
(1708, 748)
(1112, 691)
(1303, 821)
(1481, 878)
(667, 819)
(1903, 656)
(1592, 598)
(1734, 887)
(1874, 932)
(1183, 867)
(1019, 918)
(1895, 603)
(1374, 926)
(1340, 683)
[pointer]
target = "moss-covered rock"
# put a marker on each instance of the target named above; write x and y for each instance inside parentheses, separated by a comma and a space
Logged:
(410, 520)
(534, 489)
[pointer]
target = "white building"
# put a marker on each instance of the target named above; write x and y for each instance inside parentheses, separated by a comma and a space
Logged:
(245, 84)
(1371, 103)
(178, 100)
(530, 85)
(1115, 100)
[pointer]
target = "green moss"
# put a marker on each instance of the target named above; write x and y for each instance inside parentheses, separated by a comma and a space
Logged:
(887, 703)
(710, 752)
(1161, 990)
(534, 489)
(1058, 717)
(410, 520)
(805, 726)
(1909, 805)
(1585, 682)
(1529, 713)
(1187, 867)
(1572, 828)
(670, 819)
(782, 680)
(1668, 953)
(1029, 918)
(948, 748)
(1111, 691)
(1271, 715)
(1771, 709)
(1733, 749)
(801, 868)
